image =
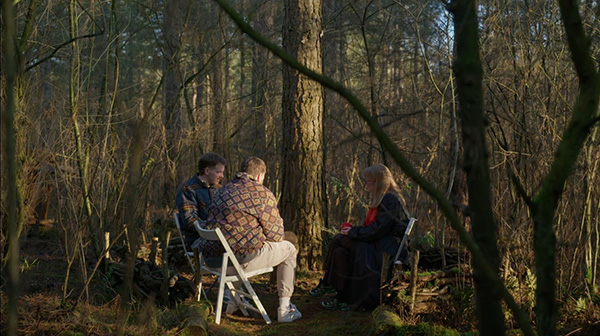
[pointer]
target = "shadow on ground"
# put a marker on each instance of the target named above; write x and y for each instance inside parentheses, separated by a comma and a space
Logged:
(315, 320)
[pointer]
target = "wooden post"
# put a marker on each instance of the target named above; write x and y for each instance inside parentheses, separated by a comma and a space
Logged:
(107, 245)
(413, 280)
(164, 289)
(153, 249)
(107, 249)
(385, 266)
(197, 273)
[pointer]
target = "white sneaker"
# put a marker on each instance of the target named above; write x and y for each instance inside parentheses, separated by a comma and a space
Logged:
(288, 314)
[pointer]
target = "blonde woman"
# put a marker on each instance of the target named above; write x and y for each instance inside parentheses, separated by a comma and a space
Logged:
(354, 260)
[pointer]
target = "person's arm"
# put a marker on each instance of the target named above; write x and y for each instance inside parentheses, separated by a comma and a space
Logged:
(270, 219)
(388, 217)
(188, 208)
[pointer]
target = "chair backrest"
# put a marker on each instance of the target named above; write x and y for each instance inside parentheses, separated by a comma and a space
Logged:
(178, 224)
(216, 235)
(407, 232)
(185, 250)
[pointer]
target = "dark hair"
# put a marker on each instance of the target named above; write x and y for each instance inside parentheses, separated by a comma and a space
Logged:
(254, 166)
(209, 160)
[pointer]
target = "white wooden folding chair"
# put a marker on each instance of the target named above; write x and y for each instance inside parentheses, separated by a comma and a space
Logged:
(407, 232)
(233, 273)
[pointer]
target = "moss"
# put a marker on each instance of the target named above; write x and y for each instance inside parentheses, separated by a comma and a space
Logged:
(422, 274)
(423, 329)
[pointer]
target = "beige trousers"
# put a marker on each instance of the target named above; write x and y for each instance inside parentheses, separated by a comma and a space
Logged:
(281, 254)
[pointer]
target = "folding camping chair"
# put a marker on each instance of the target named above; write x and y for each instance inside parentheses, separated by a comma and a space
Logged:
(188, 254)
(233, 273)
(407, 232)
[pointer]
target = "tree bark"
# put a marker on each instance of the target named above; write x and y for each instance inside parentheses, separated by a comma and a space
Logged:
(261, 85)
(171, 46)
(302, 104)
(544, 204)
(468, 70)
(9, 67)
(217, 81)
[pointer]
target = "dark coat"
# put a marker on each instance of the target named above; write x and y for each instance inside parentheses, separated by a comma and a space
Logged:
(383, 236)
(193, 198)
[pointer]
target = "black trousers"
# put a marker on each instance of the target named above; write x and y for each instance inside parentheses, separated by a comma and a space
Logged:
(338, 265)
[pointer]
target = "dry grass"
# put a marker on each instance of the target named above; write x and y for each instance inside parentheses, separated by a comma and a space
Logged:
(42, 311)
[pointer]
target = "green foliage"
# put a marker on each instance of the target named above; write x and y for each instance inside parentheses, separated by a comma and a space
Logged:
(423, 329)
(581, 305)
(463, 300)
(422, 274)
(425, 241)
(462, 294)
(531, 282)
(589, 276)
(26, 265)
(173, 317)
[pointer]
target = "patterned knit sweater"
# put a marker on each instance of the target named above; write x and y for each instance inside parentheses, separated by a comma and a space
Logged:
(246, 212)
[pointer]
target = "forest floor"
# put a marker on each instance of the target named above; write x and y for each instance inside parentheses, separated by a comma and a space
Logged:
(42, 310)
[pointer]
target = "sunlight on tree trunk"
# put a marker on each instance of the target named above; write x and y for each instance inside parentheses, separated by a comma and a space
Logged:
(302, 179)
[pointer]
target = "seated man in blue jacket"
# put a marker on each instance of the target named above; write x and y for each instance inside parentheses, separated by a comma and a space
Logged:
(196, 194)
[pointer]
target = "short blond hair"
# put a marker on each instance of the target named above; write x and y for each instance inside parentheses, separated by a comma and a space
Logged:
(254, 166)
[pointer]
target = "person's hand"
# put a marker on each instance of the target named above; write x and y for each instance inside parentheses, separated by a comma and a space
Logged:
(346, 228)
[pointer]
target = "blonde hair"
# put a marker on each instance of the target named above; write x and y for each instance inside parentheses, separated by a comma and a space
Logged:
(254, 166)
(384, 181)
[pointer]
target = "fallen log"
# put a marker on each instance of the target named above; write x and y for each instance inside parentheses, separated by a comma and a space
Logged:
(385, 321)
(195, 318)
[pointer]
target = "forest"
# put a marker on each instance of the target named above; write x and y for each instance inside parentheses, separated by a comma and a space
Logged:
(487, 113)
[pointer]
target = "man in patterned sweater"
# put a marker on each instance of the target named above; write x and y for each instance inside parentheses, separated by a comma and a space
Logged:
(246, 212)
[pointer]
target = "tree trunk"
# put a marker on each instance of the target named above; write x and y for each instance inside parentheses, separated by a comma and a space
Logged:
(261, 85)
(336, 109)
(467, 68)
(302, 180)
(171, 98)
(544, 204)
(217, 80)
(171, 106)
(9, 67)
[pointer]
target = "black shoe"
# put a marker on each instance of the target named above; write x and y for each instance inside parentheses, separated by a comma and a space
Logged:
(335, 304)
(322, 289)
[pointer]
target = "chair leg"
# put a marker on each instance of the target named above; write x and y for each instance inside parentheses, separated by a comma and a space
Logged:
(237, 298)
(256, 300)
(221, 290)
(220, 300)
(212, 285)
(200, 291)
